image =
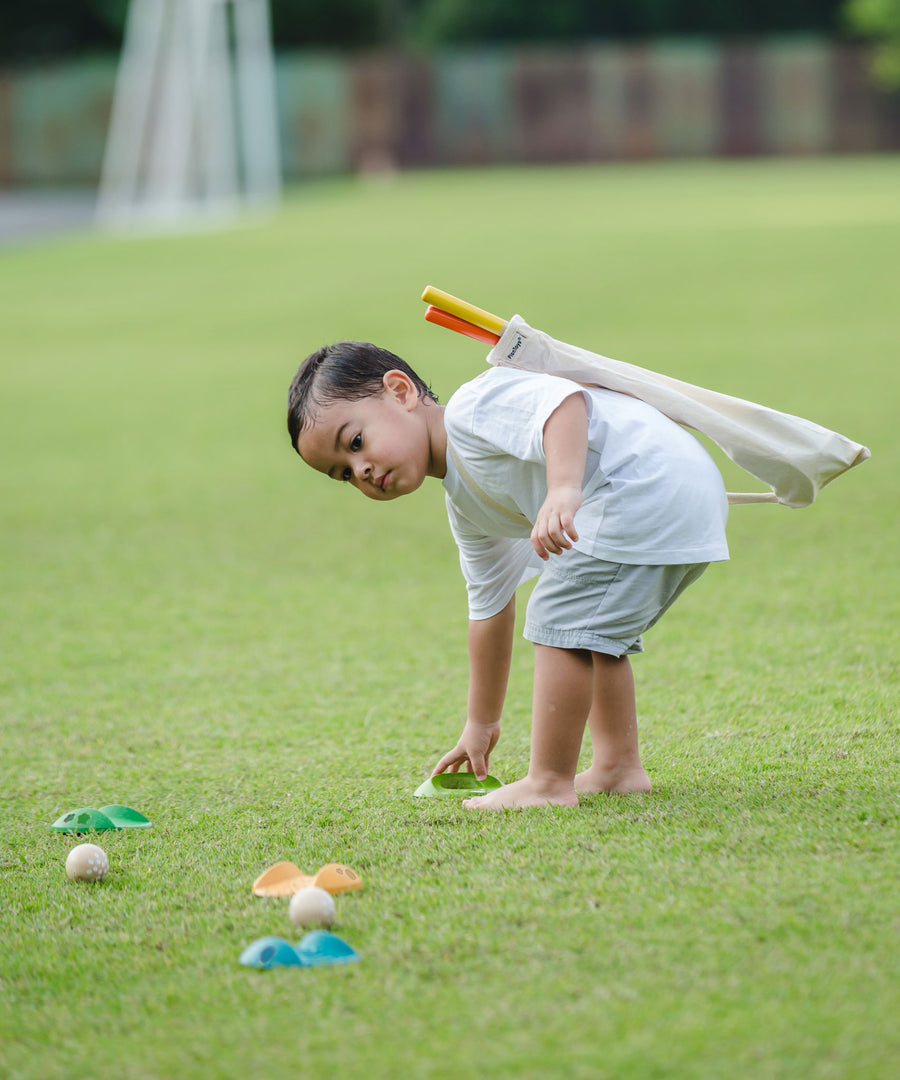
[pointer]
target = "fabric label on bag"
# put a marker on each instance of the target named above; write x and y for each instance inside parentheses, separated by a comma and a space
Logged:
(520, 341)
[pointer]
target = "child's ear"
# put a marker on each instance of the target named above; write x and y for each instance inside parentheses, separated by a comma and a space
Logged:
(401, 387)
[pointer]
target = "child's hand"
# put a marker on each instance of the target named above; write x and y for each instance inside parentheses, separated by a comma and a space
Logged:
(474, 746)
(554, 528)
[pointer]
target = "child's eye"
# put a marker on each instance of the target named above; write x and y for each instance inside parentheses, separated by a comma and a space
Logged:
(356, 442)
(346, 474)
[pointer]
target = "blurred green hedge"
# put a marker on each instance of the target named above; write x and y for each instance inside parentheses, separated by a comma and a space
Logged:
(46, 29)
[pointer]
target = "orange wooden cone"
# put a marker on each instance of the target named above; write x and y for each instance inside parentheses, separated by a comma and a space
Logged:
(285, 879)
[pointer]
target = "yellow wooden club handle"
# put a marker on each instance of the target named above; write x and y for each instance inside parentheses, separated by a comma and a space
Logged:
(463, 310)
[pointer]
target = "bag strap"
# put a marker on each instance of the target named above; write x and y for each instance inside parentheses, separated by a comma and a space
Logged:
(745, 498)
(480, 493)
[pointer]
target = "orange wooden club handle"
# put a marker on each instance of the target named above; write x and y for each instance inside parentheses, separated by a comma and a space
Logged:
(453, 322)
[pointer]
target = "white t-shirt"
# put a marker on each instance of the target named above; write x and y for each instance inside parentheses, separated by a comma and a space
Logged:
(651, 494)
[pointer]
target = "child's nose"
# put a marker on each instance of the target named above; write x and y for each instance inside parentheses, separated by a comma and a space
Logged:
(363, 470)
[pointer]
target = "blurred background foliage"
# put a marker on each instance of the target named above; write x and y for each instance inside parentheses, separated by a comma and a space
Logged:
(879, 19)
(49, 29)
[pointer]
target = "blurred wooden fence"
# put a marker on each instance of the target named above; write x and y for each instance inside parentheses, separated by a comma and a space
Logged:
(489, 105)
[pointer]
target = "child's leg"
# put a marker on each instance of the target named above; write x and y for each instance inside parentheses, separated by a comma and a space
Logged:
(614, 734)
(563, 689)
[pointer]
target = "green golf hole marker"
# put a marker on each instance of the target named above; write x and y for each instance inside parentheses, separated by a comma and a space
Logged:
(87, 819)
(461, 783)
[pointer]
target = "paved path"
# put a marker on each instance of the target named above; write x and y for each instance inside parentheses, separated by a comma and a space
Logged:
(26, 216)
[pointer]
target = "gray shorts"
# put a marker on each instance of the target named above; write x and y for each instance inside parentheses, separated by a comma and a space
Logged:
(584, 603)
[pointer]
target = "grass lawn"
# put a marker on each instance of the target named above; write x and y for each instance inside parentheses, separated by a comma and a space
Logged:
(267, 665)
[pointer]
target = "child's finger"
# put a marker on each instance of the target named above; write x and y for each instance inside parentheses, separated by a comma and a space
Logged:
(561, 539)
(553, 539)
(569, 526)
(539, 548)
(454, 758)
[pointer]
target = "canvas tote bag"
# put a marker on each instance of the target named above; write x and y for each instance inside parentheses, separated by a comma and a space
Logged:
(794, 457)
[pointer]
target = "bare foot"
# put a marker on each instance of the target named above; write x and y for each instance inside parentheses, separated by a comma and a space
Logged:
(524, 792)
(623, 780)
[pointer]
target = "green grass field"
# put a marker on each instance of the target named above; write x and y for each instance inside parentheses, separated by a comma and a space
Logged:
(267, 665)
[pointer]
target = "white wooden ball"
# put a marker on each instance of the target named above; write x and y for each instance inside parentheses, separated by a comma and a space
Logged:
(312, 906)
(87, 862)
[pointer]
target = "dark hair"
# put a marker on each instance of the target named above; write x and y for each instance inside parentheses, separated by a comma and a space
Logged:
(345, 371)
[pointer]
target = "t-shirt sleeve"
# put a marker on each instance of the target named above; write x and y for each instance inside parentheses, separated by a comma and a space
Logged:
(510, 415)
(493, 566)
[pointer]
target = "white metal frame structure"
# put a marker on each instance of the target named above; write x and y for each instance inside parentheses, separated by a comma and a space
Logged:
(194, 130)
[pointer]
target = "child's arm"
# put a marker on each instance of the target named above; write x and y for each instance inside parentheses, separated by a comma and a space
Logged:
(565, 449)
(490, 653)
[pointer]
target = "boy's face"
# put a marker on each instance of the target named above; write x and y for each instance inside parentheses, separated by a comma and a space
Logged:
(380, 445)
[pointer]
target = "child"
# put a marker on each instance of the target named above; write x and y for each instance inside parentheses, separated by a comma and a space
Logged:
(615, 506)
